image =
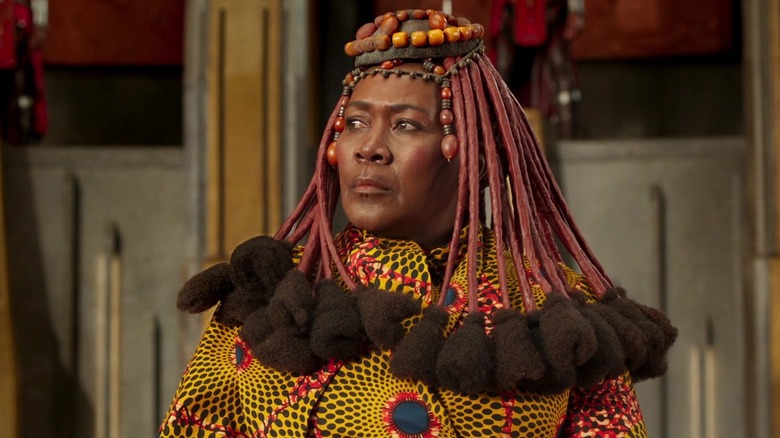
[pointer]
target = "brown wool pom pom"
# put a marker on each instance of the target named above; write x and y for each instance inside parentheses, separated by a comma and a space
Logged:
(568, 338)
(608, 360)
(292, 304)
(237, 305)
(517, 357)
(656, 365)
(258, 264)
(466, 360)
(257, 328)
(383, 312)
(653, 336)
(204, 290)
(337, 331)
(630, 336)
(658, 318)
(286, 352)
(415, 357)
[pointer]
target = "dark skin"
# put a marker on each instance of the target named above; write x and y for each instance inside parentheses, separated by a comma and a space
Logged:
(394, 180)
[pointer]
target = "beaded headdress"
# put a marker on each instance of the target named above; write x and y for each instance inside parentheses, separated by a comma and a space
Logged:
(576, 339)
(381, 47)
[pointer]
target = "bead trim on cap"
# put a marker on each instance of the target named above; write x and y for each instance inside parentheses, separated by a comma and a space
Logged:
(413, 34)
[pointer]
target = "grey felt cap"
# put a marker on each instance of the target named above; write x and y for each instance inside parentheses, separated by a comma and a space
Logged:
(444, 50)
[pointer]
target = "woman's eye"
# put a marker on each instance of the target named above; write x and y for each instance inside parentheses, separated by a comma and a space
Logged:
(405, 125)
(354, 123)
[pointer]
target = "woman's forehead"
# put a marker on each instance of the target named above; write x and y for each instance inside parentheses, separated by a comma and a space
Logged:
(396, 91)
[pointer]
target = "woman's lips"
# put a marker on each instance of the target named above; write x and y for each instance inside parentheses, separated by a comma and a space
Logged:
(365, 185)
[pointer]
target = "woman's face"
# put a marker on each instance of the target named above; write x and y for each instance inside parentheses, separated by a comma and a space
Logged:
(395, 182)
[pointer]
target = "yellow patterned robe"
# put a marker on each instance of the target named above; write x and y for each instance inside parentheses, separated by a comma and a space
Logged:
(225, 392)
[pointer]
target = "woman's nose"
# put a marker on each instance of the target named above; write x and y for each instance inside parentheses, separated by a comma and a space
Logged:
(374, 149)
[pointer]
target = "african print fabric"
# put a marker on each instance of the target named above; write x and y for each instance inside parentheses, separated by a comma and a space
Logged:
(226, 392)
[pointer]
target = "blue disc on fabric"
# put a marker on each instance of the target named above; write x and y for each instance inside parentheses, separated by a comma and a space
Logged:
(450, 296)
(239, 355)
(411, 418)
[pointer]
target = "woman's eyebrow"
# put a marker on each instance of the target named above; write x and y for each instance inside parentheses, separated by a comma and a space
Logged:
(394, 108)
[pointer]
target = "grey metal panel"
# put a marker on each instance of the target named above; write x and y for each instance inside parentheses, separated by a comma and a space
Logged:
(665, 219)
(60, 204)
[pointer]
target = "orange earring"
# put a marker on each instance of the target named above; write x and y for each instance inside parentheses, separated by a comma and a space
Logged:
(331, 154)
(449, 144)
(340, 123)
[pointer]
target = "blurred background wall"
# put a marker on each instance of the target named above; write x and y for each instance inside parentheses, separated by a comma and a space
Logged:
(179, 128)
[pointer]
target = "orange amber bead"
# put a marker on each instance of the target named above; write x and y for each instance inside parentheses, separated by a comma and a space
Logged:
(389, 25)
(403, 15)
(387, 65)
(438, 70)
(349, 78)
(451, 34)
(344, 101)
(366, 45)
(365, 31)
(419, 38)
(331, 153)
(435, 37)
(465, 33)
(449, 146)
(430, 12)
(462, 21)
(445, 117)
(446, 93)
(437, 21)
(382, 42)
(477, 30)
(340, 124)
(400, 39)
(419, 14)
(351, 49)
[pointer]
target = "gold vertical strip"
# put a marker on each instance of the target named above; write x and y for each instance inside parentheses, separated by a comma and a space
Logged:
(8, 376)
(243, 156)
(244, 197)
(773, 22)
(215, 133)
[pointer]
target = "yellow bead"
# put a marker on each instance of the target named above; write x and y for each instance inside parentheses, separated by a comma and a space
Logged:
(419, 38)
(435, 37)
(451, 34)
(400, 39)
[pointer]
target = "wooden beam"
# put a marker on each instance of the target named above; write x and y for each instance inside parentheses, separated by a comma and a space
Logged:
(243, 123)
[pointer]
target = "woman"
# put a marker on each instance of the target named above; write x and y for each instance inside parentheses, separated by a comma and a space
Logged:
(438, 311)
